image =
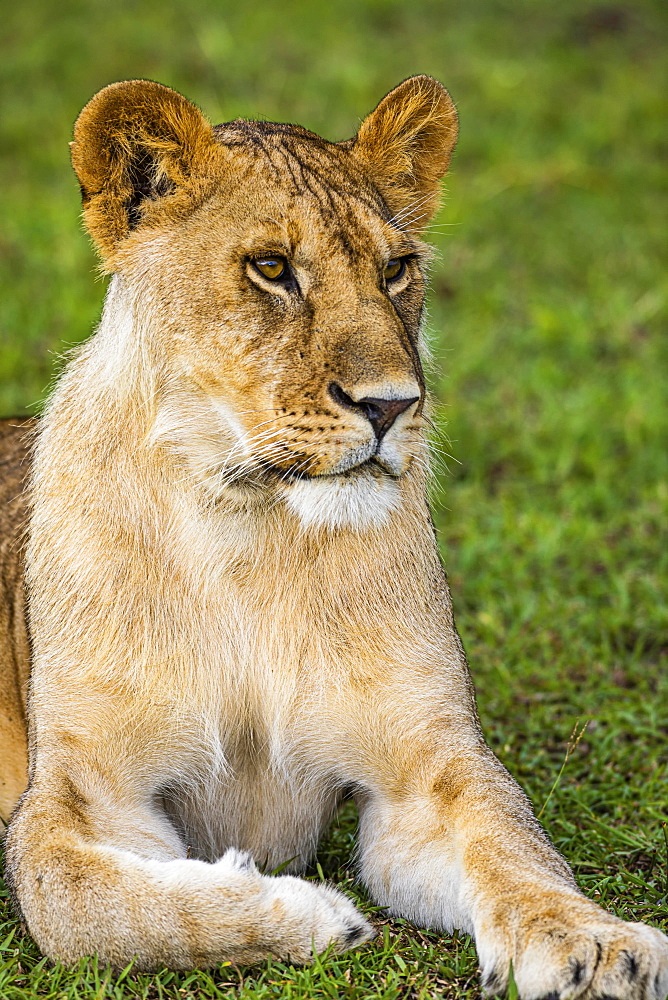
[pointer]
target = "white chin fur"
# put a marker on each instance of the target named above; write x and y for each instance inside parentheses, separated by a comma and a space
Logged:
(357, 502)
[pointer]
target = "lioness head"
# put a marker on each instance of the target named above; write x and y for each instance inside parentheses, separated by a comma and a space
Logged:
(272, 282)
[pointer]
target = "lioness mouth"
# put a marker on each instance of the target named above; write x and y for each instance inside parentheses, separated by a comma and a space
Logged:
(371, 465)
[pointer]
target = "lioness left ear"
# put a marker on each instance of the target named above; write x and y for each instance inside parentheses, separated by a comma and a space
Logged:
(134, 143)
(406, 144)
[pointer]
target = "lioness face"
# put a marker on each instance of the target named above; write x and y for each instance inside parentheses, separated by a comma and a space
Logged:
(283, 304)
(298, 326)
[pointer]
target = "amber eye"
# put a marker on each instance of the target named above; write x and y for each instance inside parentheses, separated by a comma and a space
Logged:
(395, 268)
(272, 268)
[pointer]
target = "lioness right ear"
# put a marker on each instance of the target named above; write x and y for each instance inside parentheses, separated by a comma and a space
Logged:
(134, 143)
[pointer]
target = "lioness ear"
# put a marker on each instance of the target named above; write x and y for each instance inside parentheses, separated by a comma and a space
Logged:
(134, 142)
(406, 143)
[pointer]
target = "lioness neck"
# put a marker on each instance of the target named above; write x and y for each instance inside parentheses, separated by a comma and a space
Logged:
(123, 456)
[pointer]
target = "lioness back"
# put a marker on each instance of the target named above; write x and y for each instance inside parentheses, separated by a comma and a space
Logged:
(16, 438)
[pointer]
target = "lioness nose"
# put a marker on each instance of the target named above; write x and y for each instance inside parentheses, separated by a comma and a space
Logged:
(381, 413)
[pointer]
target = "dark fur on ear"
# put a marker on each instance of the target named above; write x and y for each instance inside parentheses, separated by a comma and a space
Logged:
(134, 143)
(406, 144)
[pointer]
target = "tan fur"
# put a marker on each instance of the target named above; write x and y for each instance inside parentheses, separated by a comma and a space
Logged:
(237, 607)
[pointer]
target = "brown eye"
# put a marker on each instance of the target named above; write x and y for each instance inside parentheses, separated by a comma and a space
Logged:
(394, 268)
(272, 268)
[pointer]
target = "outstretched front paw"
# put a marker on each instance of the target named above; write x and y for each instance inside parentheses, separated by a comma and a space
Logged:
(573, 950)
(316, 917)
(299, 918)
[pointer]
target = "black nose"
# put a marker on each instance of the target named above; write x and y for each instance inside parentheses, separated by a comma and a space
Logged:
(381, 413)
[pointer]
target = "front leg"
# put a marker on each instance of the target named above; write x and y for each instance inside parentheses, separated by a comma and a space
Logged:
(448, 840)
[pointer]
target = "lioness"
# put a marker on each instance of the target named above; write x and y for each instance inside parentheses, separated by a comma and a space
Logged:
(237, 610)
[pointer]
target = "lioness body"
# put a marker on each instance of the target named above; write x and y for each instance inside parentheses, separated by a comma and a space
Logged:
(237, 607)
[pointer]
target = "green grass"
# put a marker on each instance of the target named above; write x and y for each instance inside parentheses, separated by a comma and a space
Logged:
(549, 319)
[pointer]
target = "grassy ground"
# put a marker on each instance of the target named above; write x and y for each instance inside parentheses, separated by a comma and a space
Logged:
(548, 313)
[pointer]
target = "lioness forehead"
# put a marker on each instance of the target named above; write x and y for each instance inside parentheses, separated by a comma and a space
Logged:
(302, 156)
(289, 162)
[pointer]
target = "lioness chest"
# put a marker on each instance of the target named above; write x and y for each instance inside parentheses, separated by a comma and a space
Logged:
(220, 717)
